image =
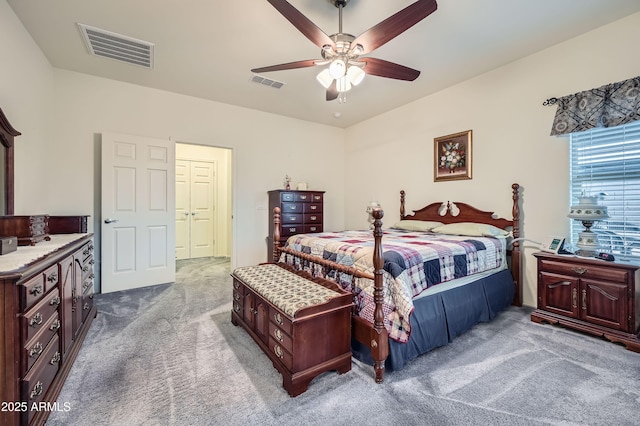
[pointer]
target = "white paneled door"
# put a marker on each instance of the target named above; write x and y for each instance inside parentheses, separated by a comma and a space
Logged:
(195, 204)
(138, 212)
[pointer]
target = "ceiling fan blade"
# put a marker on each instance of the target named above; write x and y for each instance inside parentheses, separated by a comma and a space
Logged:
(288, 66)
(332, 91)
(395, 25)
(382, 68)
(302, 23)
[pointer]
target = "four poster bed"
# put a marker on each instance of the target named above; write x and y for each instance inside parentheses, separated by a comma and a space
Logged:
(420, 283)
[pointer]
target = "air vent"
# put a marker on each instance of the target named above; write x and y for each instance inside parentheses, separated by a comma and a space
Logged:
(116, 46)
(267, 82)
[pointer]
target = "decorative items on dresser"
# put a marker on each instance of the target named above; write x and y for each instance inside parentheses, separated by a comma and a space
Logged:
(46, 310)
(300, 322)
(301, 214)
(28, 229)
(590, 295)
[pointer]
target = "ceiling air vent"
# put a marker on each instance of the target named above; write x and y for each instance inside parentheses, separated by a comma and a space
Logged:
(267, 82)
(116, 46)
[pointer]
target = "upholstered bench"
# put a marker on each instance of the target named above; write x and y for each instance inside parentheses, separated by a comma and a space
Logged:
(302, 323)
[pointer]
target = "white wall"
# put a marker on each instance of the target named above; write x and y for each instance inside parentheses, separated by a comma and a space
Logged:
(26, 98)
(511, 141)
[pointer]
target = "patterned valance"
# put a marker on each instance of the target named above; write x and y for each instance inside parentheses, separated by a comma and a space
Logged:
(606, 106)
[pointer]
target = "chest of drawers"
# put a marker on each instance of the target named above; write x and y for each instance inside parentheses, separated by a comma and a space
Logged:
(302, 324)
(590, 295)
(301, 213)
(46, 310)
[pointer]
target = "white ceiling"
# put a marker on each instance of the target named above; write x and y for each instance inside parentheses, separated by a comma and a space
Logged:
(206, 48)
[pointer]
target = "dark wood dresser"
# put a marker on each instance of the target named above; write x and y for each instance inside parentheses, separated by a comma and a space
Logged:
(590, 295)
(46, 308)
(301, 213)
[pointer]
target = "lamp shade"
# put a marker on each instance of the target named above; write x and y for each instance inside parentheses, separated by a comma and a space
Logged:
(588, 208)
(355, 74)
(337, 68)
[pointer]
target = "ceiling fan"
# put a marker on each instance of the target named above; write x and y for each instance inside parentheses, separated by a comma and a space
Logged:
(342, 51)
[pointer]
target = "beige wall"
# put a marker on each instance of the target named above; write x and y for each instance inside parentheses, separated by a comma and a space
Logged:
(511, 141)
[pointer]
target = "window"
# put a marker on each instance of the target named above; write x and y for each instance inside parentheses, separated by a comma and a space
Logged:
(607, 161)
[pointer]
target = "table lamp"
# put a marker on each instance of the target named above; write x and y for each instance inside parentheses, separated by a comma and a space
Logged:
(588, 210)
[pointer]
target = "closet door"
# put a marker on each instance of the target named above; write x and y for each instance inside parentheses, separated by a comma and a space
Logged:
(195, 194)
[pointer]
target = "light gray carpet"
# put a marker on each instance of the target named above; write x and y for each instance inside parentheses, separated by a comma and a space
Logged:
(169, 355)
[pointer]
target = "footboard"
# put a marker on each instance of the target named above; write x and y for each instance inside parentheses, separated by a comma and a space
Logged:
(375, 336)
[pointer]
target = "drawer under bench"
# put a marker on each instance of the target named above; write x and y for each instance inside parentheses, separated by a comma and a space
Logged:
(302, 323)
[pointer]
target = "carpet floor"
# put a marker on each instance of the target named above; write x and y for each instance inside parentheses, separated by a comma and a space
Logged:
(169, 355)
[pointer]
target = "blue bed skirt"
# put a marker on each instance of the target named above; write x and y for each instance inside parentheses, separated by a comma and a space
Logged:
(439, 318)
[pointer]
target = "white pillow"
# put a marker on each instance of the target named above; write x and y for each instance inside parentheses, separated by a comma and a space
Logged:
(416, 225)
(470, 229)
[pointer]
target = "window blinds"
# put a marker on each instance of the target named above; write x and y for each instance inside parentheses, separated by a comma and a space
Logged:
(607, 161)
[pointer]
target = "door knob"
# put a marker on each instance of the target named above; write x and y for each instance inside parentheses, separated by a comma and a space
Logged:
(109, 220)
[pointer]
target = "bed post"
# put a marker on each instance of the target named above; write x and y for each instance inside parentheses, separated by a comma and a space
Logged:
(516, 254)
(276, 234)
(402, 204)
(379, 338)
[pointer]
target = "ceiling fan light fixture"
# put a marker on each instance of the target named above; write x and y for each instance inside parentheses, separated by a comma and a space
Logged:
(337, 68)
(324, 77)
(355, 74)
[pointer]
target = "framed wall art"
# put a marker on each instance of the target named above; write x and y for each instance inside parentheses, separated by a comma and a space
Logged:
(452, 157)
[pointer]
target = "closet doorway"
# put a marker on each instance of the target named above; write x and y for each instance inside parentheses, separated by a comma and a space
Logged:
(203, 201)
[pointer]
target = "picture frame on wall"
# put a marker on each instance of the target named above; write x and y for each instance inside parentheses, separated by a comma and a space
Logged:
(453, 157)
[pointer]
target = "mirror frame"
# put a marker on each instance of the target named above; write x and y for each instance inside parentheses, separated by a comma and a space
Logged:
(7, 135)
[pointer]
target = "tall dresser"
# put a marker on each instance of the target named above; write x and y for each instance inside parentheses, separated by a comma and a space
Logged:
(46, 306)
(301, 213)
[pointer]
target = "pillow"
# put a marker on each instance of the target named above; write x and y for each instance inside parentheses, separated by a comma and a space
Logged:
(470, 229)
(416, 225)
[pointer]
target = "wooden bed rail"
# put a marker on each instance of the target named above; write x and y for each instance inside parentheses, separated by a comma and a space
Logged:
(376, 338)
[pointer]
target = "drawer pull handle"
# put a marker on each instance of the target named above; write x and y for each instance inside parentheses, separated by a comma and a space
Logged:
(574, 298)
(278, 334)
(55, 358)
(314, 217)
(55, 301)
(85, 268)
(236, 296)
(278, 351)
(85, 307)
(278, 318)
(36, 350)
(36, 320)
(236, 285)
(584, 300)
(53, 277)
(579, 271)
(55, 325)
(37, 390)
(37, 290)
(294, 207)
(236, 308)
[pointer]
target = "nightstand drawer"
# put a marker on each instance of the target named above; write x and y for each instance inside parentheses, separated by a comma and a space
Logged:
(585, 271)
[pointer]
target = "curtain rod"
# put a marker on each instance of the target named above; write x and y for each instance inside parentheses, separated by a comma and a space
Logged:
(550, 101)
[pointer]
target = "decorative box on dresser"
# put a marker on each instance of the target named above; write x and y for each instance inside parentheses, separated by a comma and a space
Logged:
(46, 310)
(301, 213)
(590, 295)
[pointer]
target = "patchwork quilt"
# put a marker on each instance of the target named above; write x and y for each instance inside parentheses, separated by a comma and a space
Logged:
(413, 262)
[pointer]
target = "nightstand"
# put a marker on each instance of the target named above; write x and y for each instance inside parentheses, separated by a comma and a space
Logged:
(590, 295)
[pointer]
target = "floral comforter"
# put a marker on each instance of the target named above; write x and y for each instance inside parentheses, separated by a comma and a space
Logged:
(413, 262)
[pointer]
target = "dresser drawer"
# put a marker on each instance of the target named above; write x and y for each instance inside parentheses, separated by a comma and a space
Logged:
(291, 218)
(36, 346)
(280, 337)
(280, 320)
(312, 218)
(36, 383)
(35, 318)
(289, 230)
(292, 208)
(312, 208)
(281, 354)
(585, 271)
(34, 289)
(311, 229)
